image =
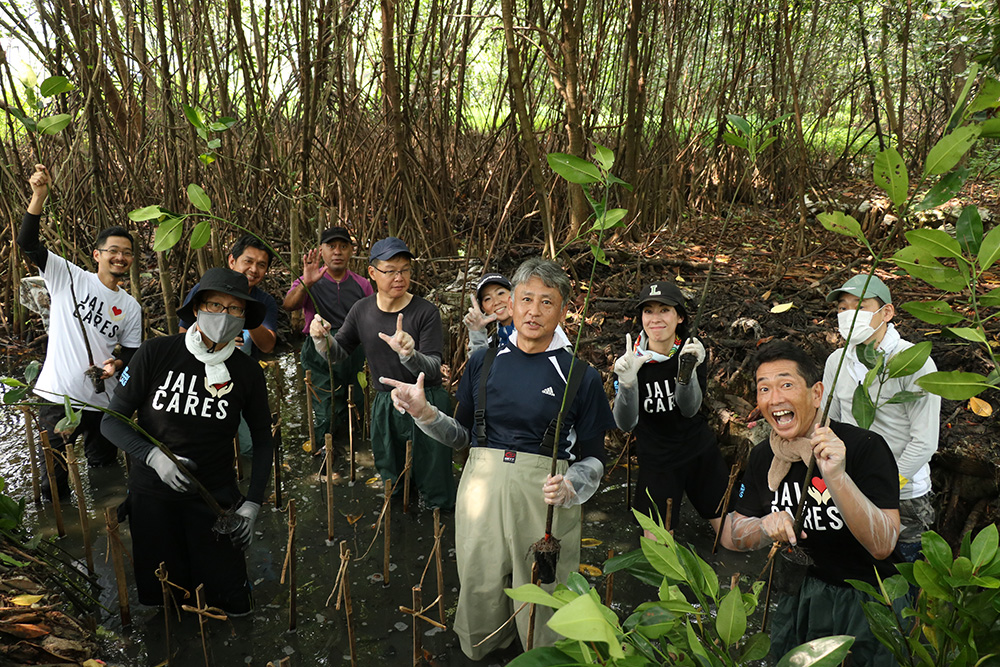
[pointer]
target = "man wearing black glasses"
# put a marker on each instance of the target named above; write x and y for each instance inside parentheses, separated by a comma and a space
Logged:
(401, 335)
(88, 317)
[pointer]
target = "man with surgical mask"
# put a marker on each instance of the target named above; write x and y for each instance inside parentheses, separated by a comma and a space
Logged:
(910, 428)
(189, 392)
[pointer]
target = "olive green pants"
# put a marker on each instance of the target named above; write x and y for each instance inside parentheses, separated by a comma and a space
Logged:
(499, 515)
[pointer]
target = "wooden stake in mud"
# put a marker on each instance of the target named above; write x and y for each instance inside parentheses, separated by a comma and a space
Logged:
(53, 485)
(531, 610)
(417, 653)
(309, 411)
(670, 514)
(81, 504)
(292, 610)
(724, 503)
(345, 555)
(114, 543)
(388, 516)
(276, 439)
(329, 486)
(203, 611)
(406, 477)
(29, 438)
(351, 410)
(438, 531)
(162, 575)
(609, 583)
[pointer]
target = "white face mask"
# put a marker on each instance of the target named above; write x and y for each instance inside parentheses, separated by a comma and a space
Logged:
(219, 327)
(862, 326)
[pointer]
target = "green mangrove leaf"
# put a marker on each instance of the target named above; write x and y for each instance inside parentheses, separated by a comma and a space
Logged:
(946, 153)
(935, 242)
(604, 157)
(755, 648)
(891, 176)
(988, 97)
(655, 621)
(764, 144)
(598, 253)
(954, 385)
(206, 158)
(904, 396)
(574, 169)
(991, 299)
(201, 234)
(841, 223)
(734, 140)
(168, 233)
(910, 360)
(583, 620)
(694, 643)
(145, 213)
(739, 123)
(31, 371)
(194, 116)
(544, 656)
(867, 355)
(71, 419)
(984, 547)
(930, 580)
(976, 335)
(991, 128)
(663, 559)
(611, 218)
(862, 407)
(54, 85)
(214, 144)
(731, 619)
(198, 198)
(936, 550)
(989, 251)
(865, 587)
(969, 230)
(576, 583)
(28, 123)
(532, 594)
(920, 264)
(654, 527)
(825, 652)
(895, 587)
(935, 312)
(53, 124)
(15, 395)
(946, 188)
(961, 572)
(884, 626)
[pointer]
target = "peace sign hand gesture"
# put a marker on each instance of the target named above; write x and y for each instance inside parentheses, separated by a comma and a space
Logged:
(627, 366)
(410, 398)
(401, 342)
(475, 320)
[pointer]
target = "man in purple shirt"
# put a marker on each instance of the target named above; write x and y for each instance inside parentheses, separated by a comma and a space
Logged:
(332, 289)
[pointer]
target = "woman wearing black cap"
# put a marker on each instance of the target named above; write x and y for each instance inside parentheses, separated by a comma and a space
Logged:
(189, 391)
(491, 304)
(677, 449)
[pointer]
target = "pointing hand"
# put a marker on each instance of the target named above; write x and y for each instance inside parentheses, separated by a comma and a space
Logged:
(401, 342)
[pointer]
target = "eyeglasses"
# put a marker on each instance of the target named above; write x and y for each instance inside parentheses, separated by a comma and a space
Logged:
(394, 273)
(216, 307)
(117, 252)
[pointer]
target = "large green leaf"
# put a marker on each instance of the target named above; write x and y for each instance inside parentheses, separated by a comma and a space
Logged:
(734, 140)
(145, 213)
(731, 619)
(610, 219)
(534, 595)
(201, 234)
(55, 85)
(663, 559)
(984, 547)
(841, 223)
(946, 188)
(935, 242)
(546, 656)
(954, 385)
(28, 123)
(53, 124)
(583, 620)
(755, 648)
(930, 580)
(910, 360)
(933, 312)
(991, 299)
(989, 251)
(988, 97)
(882, 622)
(976, 335)
(969, 230)
(168, 233)
(197, 197)
(991, 128)
(862, 407)
(574, 169)
(946, 153)
(891, 176)
(825, 652)
(920, 264)
(194, 116)
(655, 621)
(904, 396)
(604, 157)
(31, 371)
(739, 123)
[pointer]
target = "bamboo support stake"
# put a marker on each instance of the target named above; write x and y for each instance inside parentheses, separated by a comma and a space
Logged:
(203, 611)
(292, 610)
(329, 487)
(438, 531)
(406, 476)
(388, 516)
(530, 639)
(276, 439)
(29, 437)
(162, 575)
(609, 583)
(416, 627)
(351, 409)
(81, 505)
(53, 485)
(309, 411)
(345, 555)
(111, 521)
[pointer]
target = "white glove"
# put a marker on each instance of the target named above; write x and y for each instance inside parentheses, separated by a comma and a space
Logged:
(168, 471)
(694, 346)
(319, 329)
(559, 491)
(243, 535)
(627, 366)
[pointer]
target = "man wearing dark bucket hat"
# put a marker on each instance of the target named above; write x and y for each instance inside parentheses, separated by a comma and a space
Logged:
(910, 428)
(326, 272)
(189, 391)
(401, 336)
(490, 304)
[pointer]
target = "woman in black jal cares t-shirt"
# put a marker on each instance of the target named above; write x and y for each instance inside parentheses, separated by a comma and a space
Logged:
(677, 449)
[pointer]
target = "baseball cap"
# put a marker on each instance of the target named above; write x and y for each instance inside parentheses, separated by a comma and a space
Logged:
(227, 281)
(661, 292)
(490, 279)
(335, 234)
(388, 248)
(876, 288)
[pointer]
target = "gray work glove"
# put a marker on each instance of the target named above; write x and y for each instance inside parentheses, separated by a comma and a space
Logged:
(168, 471)
(243, 534)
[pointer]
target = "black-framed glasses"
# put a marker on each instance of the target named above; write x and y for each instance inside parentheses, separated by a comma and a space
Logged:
(394, 272)
(117, 252)
(216, 307)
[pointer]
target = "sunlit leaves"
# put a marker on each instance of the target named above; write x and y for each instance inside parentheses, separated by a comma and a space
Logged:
(168, 233)
(583, 620)
(574, 169)
(825, 652)
(987, 98)
(946, 188)
(145, 213)
(731, 619)
(201, 234)
(55, 85)
(954, 385)
(198, 198)
(921, 264)
(989, 250)
(841, 223)
(932, 312)
(910, 360)
(890, 175)
(53, 124)
(946, 153)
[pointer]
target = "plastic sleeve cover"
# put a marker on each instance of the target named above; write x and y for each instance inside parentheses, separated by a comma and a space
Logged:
(876, 529)
(445, 430)
(626, 408)
(585, 475)
(689, 397)
(477, 340)
(745, 532)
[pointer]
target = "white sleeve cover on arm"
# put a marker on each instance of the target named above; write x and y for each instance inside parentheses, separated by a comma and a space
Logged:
(626, 407)
(689, 397)
(585, 475)
(445, 430)
(477, 340)
(746, 532)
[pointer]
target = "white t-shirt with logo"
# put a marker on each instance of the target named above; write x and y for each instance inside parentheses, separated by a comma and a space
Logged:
(109, 317)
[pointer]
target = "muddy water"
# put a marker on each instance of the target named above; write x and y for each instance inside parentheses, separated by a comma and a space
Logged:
(383, 634)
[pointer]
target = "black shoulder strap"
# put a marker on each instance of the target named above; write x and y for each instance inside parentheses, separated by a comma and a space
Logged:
(491, 354)
(577, 369)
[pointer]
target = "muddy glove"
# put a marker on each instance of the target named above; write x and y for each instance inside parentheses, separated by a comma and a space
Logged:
(627, 366)
(168, 471)
(694, 346)
(243, 534)
(319, 330)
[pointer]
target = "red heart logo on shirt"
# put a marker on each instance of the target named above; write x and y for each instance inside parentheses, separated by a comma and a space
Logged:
(819, 484)
(116, 310)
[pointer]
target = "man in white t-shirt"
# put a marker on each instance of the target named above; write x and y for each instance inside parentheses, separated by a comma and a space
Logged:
(83, 304)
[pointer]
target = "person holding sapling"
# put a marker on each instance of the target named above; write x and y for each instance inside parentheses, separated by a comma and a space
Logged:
(90, 316)
(677, 449)
(911, 423)
(508, 401)
(850, 511)
(188, 392)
